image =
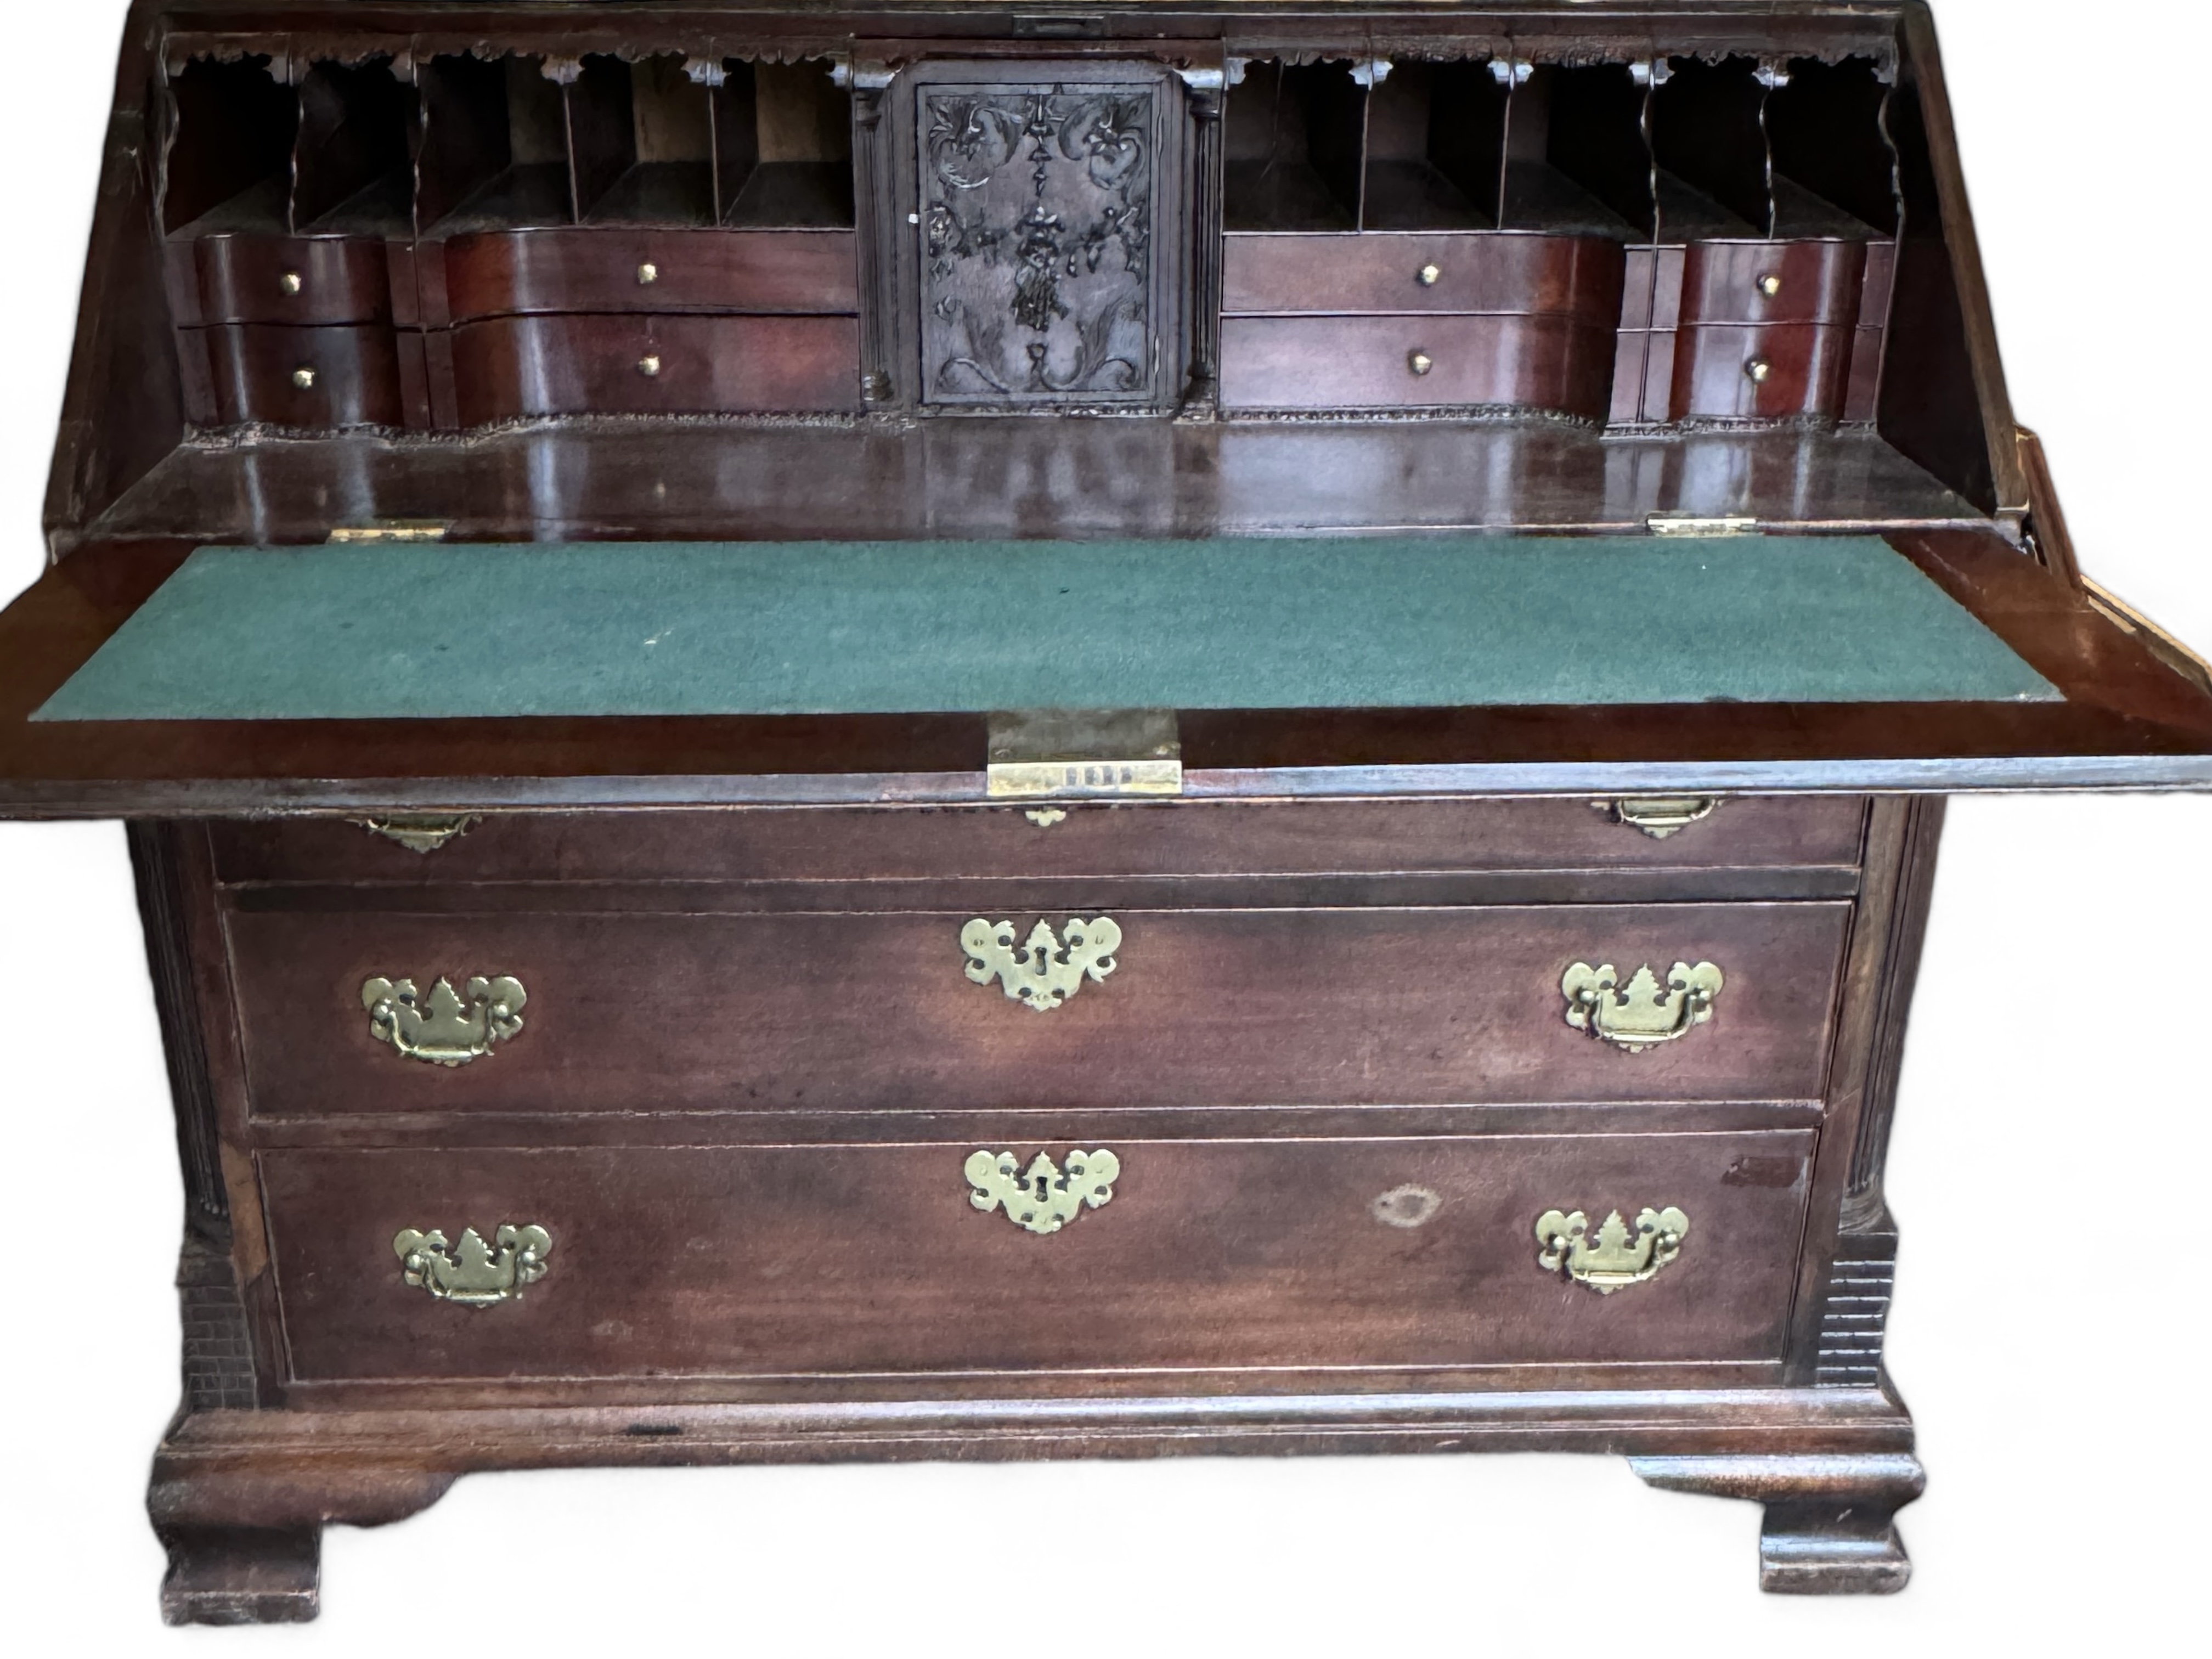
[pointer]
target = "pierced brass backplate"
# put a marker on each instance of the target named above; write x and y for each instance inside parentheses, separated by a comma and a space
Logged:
(1042, 1199)
(420, 833)
(441, 1029)
(1617, 1259)
(1642, 1014)
(1658, 815)
(1043, 972)
(472, 1273)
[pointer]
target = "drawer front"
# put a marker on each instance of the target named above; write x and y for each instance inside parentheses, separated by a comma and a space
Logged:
(1224, 1253)
(293, 279)
(306, 377)
(646, 365)
(1409, 361)
(1179, 838)
(1478, 271)
(1812, 282)
(589, 270)
(690, 1010)
(1757, 372)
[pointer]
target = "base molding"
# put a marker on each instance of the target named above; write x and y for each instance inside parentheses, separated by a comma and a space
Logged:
(1829, 1527)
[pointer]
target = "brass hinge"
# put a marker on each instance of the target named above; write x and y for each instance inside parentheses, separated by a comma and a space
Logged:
(1089, 752)
(389, 530)
(1685, 523)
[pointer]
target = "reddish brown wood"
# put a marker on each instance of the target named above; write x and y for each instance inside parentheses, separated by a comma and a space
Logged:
(1509, 271)
(1547, 363)
(351, 376)
(293, 279)
(1817, 281)
(597, 268)
(1760, 371)
(676, 365)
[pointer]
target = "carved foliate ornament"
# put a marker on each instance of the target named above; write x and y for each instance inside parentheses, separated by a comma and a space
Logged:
(1042, 1198)
(1046, 969)
(442, 1028)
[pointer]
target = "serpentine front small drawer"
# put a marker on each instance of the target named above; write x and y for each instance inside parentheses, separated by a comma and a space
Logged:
(369, 1011)
(1481, 271)
(1106, 1256)
(318, 378)
(588, 268)
(1559, 362)
(1158, 838)
(297, 279)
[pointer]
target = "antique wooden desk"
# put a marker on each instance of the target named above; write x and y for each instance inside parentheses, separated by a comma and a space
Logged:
(1100, 731)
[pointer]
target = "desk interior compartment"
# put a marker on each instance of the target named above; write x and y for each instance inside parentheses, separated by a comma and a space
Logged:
(1292, 148)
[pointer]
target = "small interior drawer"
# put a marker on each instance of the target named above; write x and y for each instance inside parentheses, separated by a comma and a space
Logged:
(680, 1001)
(1217, 1253)
(1552, 363)
(1472, 271)
(632, 268)
(512, 367)
(1761, 371)
(1810, 282)
(292, 279)
(321, 377)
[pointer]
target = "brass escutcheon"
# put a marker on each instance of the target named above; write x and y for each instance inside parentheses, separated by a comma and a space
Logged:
(1041, 1199)
(1043, 972)
(1642, 1014)
(472, 1273)
(420, 833)
(1658, 815)
(1617, 1259)
(441, 1028)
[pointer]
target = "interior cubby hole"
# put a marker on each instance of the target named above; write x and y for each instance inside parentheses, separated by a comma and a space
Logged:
(1292, 148)
(1577, 161)
(230, 161)
(1436, 147)
(1834, 172)
(1709, 143)
(353, 173)
(494, 151)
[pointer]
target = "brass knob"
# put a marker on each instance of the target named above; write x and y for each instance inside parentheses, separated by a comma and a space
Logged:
(304, 379)
(650, 364)
(1757, 370)
(291, 282)
(648, 274)
(1419, 361)
(1427, 275)
(1770, 285)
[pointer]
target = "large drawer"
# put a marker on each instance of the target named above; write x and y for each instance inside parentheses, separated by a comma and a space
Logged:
(1220, 1254)
(689, 1008)
(1552, 363)
(322, 377)
(589, 269)
(1163, 838)
(513, 367)
(1502, 271)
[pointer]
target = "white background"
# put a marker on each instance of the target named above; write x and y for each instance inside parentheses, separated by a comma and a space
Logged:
(2049, 1164)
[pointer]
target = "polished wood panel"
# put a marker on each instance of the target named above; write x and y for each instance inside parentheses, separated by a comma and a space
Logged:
(293, 279)
(593, 269)
(351, 376)
(1476, 271)
(1165, 838)
(1549, 363)
(1219, 1253)
(840, 1009)
(1807, 367)
(1817, 281)
(572, 365)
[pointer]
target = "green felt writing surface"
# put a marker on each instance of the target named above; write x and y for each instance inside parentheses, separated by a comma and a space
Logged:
(765, 628)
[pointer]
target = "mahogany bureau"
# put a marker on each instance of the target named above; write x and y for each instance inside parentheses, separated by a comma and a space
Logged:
(1101, 730)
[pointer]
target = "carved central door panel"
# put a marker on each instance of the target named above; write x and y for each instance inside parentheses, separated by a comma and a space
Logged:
(1047, 243)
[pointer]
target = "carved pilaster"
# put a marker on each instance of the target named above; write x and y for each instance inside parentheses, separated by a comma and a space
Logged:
(155, 862)
(1207, 90)
(873, 234)
(1908, 926)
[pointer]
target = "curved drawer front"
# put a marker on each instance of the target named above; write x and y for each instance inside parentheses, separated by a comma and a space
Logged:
(591, 270)
(1552, 363)
(293, 279)
(306, 377)
(1501, 271)
(514, 367)
(1760, 371)
(1163, 838)
(917, 1010)
(1801, 281)
(1222, 1254)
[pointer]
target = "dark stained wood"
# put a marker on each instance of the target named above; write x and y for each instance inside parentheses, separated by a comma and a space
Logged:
(1536, 362)
(1818, 282)
(1760, 371)
(646, 365)
(340, 279)
(352, 374)
(1477, 271)
(498, 273)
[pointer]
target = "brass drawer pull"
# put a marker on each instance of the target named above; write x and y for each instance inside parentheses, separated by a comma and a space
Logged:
(474, 1273)
(1041, 973)
(441, 1029)
(291, 283)
(1643, 1013)
(420, 833)
(304, 378)
(1617, 1260)
(1658, 815)
(648, 274)
(1428, 276)
(1042, 1199)
(1420, 362)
